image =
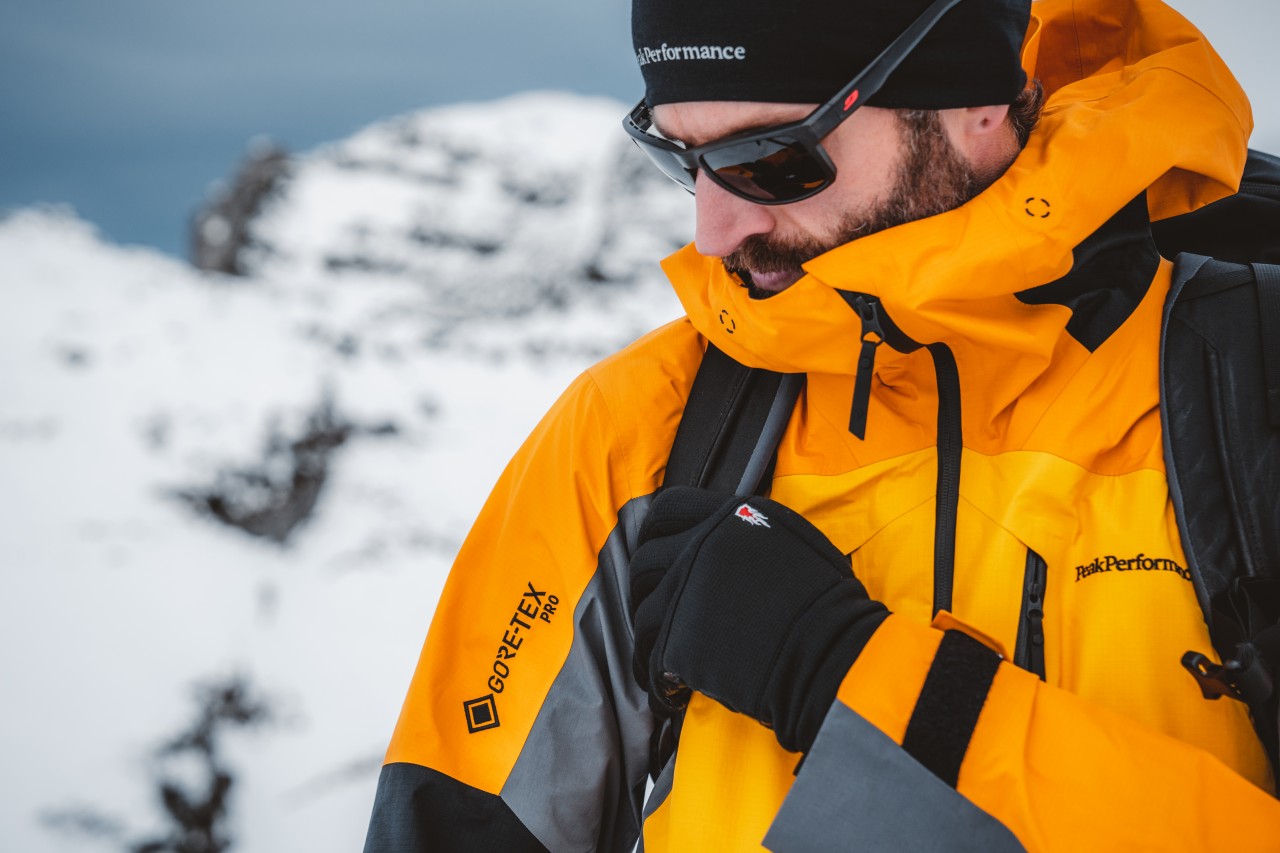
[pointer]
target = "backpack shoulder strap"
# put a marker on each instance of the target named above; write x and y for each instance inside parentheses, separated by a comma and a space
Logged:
(1268, 279)
(731, 426)
(1219, 370)
(1220, 407)
(727, 441)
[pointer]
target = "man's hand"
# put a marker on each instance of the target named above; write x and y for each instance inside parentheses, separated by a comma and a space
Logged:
(745, 601)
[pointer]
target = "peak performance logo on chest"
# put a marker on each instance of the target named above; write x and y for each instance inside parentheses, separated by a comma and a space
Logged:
(1140, 563)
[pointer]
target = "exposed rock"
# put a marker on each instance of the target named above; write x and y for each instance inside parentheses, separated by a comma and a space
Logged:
(220, 230)
(192, 780)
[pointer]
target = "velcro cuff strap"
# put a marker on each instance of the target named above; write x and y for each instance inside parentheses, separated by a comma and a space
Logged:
(947, 711)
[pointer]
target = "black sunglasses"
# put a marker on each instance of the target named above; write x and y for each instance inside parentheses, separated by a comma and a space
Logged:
(785, 163)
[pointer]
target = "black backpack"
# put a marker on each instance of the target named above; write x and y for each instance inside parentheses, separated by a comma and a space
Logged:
(1220, 344)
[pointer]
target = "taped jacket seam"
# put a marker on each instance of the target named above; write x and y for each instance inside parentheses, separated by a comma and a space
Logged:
(1070, 380)
(1067, 461)
(933, 496)
(622, 445)
(1152, 69)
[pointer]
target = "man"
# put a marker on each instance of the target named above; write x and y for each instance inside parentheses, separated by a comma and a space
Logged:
(976, 307)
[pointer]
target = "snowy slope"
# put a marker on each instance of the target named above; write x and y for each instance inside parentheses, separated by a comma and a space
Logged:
(422, 292)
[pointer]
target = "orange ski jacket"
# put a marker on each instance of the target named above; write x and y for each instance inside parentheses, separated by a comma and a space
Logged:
(1010, 485)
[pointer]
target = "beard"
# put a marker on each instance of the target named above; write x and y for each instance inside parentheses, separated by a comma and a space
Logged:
(932, 178)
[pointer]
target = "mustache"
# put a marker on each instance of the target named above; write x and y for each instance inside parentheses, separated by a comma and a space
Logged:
(762, 254)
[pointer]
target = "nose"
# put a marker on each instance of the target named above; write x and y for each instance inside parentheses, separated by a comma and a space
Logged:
(724, 220)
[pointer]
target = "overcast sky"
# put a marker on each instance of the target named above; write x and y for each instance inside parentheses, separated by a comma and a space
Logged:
(128, 109)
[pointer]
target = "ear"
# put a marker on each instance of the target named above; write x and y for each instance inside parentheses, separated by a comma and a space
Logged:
(974, 122)
(981, 134)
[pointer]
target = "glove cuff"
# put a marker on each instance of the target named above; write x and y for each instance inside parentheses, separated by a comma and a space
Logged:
(818, 656)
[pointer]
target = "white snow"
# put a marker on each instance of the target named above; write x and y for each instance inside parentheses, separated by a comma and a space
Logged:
(125, 376)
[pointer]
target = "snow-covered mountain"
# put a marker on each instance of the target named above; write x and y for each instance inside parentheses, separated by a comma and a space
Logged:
(257, 482)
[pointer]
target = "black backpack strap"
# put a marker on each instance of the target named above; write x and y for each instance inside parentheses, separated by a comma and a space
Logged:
(731, 426)
(727, 441)
(1222, 455)
(1219, 381)
(1268, 278)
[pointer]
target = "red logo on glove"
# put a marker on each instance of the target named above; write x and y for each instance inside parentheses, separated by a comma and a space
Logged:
(751, 515)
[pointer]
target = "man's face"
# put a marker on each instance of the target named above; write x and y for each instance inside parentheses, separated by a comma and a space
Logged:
(891, 168)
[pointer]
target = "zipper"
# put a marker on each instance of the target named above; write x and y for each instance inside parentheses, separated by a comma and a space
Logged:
(868, 309)
(950, 446)
(1029, 651)
(877, 329)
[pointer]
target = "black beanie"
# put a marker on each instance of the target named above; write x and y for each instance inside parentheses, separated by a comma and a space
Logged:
(804, 51)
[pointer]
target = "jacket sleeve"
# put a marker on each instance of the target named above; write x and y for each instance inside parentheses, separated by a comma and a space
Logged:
(523, 729)
(933, 739)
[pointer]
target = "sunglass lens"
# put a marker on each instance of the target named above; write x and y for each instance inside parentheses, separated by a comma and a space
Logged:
(768, 170)
(670, 166)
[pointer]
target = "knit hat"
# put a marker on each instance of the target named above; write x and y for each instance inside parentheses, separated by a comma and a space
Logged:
(804, 51)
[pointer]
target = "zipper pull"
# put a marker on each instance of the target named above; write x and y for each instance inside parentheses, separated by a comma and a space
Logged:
(872, 336)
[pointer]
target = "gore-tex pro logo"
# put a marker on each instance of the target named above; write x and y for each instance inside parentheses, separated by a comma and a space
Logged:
(1140, 563)
(751, 515)
(535, 606)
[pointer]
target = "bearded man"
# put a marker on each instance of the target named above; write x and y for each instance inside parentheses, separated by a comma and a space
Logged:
(956, 620)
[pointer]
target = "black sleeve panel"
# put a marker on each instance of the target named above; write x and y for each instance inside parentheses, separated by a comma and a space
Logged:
(420, 810)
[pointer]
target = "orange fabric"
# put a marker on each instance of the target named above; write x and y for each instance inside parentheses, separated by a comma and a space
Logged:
(1057, 770)
(519, 542)
(1062, 456)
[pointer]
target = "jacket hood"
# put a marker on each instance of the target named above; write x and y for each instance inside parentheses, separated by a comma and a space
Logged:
(1142, 121)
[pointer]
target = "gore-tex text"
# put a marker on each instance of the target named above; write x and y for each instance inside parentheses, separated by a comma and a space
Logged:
(534, 606)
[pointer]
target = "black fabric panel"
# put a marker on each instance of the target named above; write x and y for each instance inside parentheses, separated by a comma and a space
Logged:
(726, 411)
(946, 713)
(1240, 228)
(420, 810)
(1111, 272)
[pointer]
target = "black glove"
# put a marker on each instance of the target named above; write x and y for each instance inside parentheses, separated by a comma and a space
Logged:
(743, 600)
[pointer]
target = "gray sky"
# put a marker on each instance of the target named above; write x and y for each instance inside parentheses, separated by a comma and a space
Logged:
(128, 109)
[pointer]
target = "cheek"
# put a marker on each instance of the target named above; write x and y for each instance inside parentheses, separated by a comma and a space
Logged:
(866, 156)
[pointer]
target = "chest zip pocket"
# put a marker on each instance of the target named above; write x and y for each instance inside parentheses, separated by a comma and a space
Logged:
(1029, 652)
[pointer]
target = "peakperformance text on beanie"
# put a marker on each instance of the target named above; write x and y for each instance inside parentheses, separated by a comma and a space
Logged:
(646, 55)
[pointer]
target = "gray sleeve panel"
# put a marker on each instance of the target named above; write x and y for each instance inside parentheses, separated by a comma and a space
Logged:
(859, 789)
(658, 795)
(661, 787)
(580, 777)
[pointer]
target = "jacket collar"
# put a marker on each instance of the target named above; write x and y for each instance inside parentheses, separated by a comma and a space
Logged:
(1142, 121)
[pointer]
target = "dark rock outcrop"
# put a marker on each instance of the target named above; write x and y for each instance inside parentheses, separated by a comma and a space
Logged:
(220, 230)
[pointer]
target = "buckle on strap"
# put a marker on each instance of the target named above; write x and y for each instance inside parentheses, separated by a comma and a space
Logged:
(1244, 676)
